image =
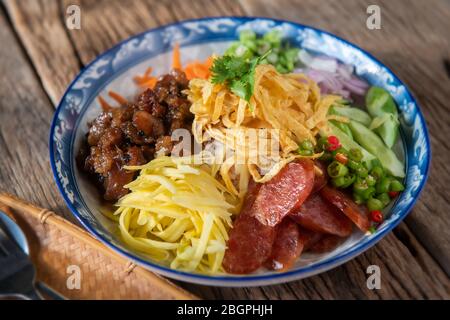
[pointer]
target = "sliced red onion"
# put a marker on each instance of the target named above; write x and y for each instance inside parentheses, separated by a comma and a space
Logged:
(331, 76)
(323, 63)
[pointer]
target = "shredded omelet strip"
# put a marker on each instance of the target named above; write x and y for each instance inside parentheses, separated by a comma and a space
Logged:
(291, 103)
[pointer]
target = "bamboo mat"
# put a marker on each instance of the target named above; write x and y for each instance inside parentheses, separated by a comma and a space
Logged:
(60, 251)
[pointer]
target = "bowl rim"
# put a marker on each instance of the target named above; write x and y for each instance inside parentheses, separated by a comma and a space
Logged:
(240, 280)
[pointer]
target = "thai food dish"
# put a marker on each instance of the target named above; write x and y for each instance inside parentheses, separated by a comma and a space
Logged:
(245, 160)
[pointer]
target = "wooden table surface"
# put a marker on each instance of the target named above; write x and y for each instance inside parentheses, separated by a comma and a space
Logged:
(39, 56)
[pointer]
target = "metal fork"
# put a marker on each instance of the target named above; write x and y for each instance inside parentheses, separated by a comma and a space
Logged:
(17, 273)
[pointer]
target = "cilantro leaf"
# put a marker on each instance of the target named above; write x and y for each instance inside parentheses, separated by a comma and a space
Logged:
(237, 73)
(219, 70)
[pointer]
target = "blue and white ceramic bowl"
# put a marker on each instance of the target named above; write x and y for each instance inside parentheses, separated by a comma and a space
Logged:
(198, 39)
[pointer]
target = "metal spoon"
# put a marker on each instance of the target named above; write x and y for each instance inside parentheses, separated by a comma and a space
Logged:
(17, 235)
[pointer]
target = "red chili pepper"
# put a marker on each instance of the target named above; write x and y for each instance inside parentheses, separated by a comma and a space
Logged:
(333, 140)
(342, 158)
(393, 194)
(376, 216)
(333, 143)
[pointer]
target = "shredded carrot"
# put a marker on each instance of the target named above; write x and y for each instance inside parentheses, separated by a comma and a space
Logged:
(121, 100)
(146, 81)
(147, 76)
(176, 60)
(105, 105)
(197, 69)
(150, 83)
(194, 69)
(148, 72)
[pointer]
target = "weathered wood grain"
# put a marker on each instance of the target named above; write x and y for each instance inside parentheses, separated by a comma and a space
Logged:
(407, 273)
(43, 33)
(408, 270)
(25, 115)
(105, 23)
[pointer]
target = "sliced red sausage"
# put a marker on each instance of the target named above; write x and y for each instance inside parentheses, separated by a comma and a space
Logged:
(287, 247)
(318, 215)
(344, 203)
(249, 245)
(250, 242)
(320, 176)
(310, 238)
(326, 243)
(284, 193)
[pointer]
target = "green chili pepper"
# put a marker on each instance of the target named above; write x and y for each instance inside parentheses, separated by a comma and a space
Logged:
(383, 185)
(377, 172)
(322, 144)
(362, 172)
(349, 180)
(355, 155)
(369, 140)
(338, 182)
(305, 153)
(358, 199)
(381, 106)
(371, 181)
(369, 192)
(307, 145)
(384, 198)
(374, 204)
(360, 185)
(396, 186)
(326, 156)
(353, 165)
(336, 169)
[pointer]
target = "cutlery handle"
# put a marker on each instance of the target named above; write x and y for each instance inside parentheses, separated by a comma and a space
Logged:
(42, 287)
(33, 294)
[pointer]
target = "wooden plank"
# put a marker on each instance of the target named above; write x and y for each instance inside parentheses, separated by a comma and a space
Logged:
(43, 33)
(407, 270)
(26, 113)
(102, 27)
(414, 43)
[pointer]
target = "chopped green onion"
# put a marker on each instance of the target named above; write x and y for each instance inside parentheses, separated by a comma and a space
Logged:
(245, 35)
